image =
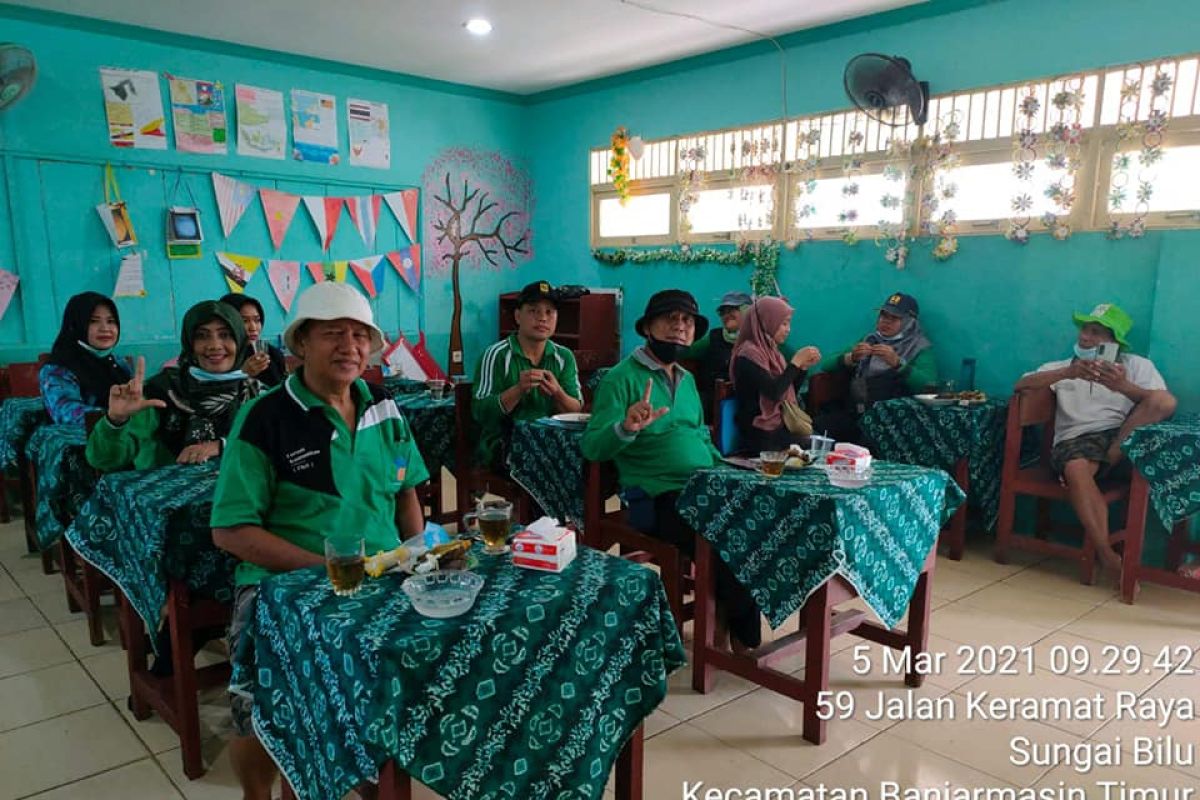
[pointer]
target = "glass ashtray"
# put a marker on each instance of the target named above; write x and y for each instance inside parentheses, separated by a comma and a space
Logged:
(846, 477)
(443, 594)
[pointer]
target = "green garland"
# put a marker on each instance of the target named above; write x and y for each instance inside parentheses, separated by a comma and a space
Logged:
(764, 256)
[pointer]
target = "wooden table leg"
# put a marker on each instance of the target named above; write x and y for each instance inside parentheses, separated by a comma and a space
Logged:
(956, 528)
(817, 625)
(183, 664)
(629, 775)
(1135, 535)
(918, 625)
(704, 632)
(135, 654)
(66, 558)
(28, 475)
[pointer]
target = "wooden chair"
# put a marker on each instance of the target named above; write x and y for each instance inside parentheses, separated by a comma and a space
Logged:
(472, 479)
(1026, 409)
(20, 380)
(373, 375)
(603, 529)
(826, 388)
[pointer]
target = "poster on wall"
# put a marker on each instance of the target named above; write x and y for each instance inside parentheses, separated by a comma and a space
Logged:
(198, 111)
(370, 136)
(133, 105)
(314, 127)
(261, 124)
(8, 287)
(131, 281)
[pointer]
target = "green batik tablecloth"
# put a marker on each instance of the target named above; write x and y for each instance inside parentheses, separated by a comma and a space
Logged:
(432, 423)
(908, 431)
(144, 527)
(545, 459)
(785, 537)
(1167, 454)
(18, 418)
(531, 694)
(399, 386)
(64, 478)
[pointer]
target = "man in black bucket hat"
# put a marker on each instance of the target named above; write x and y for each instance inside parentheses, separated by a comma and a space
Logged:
(648, 420)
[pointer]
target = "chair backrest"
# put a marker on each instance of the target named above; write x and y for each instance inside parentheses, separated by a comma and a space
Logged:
(825, 388)
(23, 380)
(599, 484)
(725, 432)
(463, 422)
(373, 375)
(1031, 407)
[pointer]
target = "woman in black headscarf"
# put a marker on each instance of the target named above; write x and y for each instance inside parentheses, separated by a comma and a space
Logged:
(81, 369)
(183, 414)
(270, 368)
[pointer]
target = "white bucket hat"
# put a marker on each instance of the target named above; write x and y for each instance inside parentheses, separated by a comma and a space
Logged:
(328, 301)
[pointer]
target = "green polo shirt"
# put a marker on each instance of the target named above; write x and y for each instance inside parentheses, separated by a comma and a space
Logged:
(293, 467)
(499, 370)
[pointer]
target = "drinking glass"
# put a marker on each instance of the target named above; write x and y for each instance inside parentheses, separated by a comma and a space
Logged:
(493, 519)
(259, 346)
(771, 462)
(345, 563)
(819, 447)
(437, 387)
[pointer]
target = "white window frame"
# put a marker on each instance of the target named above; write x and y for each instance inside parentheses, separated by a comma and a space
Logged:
(607, 192)
(871, 165)
(1184, 132)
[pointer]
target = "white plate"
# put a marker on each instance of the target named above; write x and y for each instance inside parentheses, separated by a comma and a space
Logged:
(933, 400)
(572, 419)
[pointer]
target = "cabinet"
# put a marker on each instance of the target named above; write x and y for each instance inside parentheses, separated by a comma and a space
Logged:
(587, 325)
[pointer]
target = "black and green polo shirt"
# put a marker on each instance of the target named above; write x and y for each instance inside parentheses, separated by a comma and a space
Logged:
(292, 467)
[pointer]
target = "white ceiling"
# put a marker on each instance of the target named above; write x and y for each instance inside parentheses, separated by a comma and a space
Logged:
(535, 45)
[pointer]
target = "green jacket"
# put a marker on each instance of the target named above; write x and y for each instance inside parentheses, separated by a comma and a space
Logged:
(500, 369)
(662, 457)
(133, 445)
(919, 374)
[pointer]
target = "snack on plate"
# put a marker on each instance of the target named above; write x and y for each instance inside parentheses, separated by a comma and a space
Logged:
(974, 396)
(384, 560)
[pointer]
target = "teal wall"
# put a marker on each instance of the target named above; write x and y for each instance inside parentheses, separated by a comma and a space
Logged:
(53, 145)
(1005, 305)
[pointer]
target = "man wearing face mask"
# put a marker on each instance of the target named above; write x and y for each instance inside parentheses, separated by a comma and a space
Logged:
(712, 352)
(647, 419)
(1099, 402)
(894, 360)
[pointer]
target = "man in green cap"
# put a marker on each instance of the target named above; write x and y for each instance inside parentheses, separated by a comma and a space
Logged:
(1103, 392)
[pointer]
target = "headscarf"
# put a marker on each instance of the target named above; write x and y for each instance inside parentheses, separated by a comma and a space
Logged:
(756, 341)
(907, 343)
(95, 374)
(199, 407)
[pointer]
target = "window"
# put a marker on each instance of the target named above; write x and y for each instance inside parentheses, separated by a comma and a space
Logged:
(756, 179)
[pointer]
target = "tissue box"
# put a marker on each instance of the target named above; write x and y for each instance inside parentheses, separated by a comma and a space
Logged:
(544, 547)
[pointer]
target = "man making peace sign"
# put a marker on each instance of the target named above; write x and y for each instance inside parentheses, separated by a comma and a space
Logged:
(647, 419)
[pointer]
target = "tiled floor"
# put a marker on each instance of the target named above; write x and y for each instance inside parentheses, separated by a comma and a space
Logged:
(65, 731)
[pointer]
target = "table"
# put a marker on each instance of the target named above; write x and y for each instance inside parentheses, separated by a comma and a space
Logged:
(398, 386)
(798, 541)
(1166, 460)
(143, 528)
(532, 693)
(432, 423)
(966, 441)
(545, 459)
(65, 480)
(18, 418)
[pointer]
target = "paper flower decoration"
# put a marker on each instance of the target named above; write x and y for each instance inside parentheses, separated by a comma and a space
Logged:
(618, 166)
(1030, 106)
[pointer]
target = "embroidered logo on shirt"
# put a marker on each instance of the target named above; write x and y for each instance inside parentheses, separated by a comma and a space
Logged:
(301, 459)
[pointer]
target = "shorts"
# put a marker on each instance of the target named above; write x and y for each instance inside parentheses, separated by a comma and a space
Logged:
(241, 702)
(1090, 447)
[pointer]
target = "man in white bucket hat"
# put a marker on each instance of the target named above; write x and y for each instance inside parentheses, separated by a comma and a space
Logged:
(324, 452)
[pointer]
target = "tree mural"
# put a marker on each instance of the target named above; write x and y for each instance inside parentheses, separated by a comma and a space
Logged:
(479, 217)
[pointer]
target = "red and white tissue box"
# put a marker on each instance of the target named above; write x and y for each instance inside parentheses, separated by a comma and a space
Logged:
(850, 455)
(544, 545)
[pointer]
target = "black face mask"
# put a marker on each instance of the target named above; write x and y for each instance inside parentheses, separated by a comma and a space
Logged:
(666, 352)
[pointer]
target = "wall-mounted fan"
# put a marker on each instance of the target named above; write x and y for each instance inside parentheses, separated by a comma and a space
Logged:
(17, 73)
(883, 87)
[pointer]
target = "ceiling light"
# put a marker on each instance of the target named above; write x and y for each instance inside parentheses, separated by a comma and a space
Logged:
(478, 26)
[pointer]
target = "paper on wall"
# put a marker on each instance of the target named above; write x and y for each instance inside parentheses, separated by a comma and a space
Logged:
(8, 288)
(130, 278)
(370, 135)
(198, 110)
(314, 127)
(133, 106)
(261, 123)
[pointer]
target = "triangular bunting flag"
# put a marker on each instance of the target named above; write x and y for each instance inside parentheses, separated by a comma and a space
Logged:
(232, 198)
(317, 270)
(285, 279)
(407, 263)
(325, 213)
(339, 271)
(238, 270)
(278, 208)
(364, 210)
(404, 208)
(370, 272)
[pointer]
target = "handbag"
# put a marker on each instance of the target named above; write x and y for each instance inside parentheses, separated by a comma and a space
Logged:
(795, 418)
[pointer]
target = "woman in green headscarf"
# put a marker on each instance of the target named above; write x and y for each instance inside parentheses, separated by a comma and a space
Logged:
(183, 414)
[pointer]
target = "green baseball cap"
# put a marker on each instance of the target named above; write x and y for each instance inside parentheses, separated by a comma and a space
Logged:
(1110, 316)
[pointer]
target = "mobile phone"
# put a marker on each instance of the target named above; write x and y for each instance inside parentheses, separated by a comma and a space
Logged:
(1107, 351)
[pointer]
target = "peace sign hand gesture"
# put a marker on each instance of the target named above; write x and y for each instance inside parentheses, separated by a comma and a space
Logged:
(641, 414)
(126, 399)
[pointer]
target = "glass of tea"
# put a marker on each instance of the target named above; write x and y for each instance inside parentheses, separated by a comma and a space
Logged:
(344, 561)
(494, 520)
(771, 462)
